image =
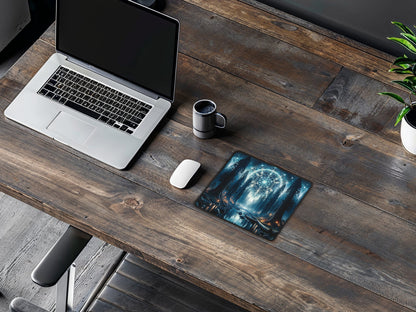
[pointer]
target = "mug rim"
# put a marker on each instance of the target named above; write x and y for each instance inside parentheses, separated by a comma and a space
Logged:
(205, 100)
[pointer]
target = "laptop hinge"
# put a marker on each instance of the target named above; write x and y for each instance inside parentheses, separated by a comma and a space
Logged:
(111, 77)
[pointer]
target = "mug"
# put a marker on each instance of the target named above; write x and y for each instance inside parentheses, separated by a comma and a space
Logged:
(205, 119)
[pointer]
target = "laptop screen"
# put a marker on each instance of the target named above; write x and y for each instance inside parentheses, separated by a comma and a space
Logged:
(122, 38)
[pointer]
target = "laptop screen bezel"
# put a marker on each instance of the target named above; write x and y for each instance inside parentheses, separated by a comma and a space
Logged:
(121, 79)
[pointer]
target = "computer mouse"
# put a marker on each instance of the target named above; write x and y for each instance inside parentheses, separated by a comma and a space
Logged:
(184, 173)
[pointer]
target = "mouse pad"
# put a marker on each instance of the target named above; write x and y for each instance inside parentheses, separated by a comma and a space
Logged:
(254, 195)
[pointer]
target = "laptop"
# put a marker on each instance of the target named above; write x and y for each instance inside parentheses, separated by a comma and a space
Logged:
(110, 82)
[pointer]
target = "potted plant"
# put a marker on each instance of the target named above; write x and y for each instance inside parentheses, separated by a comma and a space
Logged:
(405, 65)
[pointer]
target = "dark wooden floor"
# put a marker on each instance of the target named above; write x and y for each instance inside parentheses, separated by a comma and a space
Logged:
(26, 234)
(139, 286)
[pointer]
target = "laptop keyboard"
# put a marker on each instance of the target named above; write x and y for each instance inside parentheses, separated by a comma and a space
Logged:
(95, 99)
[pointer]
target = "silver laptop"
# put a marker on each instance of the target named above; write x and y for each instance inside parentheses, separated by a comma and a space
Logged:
(110, 82)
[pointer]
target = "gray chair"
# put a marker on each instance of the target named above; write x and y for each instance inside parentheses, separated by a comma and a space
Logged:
(57, 268)
(131, 285)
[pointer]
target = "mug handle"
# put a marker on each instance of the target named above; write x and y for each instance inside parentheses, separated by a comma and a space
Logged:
(220, 120)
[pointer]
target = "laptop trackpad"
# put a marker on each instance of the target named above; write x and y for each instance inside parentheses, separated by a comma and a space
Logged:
(70, 129)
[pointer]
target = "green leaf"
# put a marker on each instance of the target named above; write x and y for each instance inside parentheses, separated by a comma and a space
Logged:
(403, 27)
(401, 71)
(403, 113)
(394, 96)
(411, 79)
(408, 85)
(405, 43)
(410, 37)
(404, 60)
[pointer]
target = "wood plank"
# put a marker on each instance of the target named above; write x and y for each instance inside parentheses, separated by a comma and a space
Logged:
(159, 165)
(101, 306)
(188, 242)
(284, 69)
(318, 29)
(248, 53)
(181, 143)
(363, 246)
(93, 263)
(327, 235)
(322, 149)
(360, 249)
(353, 98)
(30, 62)
(125, 302)
(360, 252)
(27, 234)
(158, 301)
(169, 286)
(360, 107)
(23, 243)
(301, 37)
(287, 70)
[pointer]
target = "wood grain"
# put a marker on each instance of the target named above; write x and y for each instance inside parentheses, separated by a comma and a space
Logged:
(138, 286)
(245, 52)
(26, 234)
(160, 161)
(323, 233)
(304, 141)
(347, 100)
(287, 69)
(313, 42)
(348, 245)
(176, 141)
(282, 68)
(318, 29)
(92, 201)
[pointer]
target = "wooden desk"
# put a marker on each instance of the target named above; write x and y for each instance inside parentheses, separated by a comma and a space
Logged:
(295, 96)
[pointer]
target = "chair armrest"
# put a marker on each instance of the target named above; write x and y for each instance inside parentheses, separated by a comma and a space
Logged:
(22, 305)
(60, 257)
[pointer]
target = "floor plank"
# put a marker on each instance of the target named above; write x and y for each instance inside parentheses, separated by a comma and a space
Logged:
(101, 306)
(27, 234)
(139, 286)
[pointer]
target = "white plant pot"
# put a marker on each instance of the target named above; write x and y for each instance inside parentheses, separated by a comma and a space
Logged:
(408, 131)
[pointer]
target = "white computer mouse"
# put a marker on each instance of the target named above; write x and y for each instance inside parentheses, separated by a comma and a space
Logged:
(184, 173)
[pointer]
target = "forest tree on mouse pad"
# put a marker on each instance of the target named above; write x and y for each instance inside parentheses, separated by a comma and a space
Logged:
(254, 195)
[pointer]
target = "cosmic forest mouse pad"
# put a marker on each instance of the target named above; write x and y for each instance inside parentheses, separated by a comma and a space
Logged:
(254, 195)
